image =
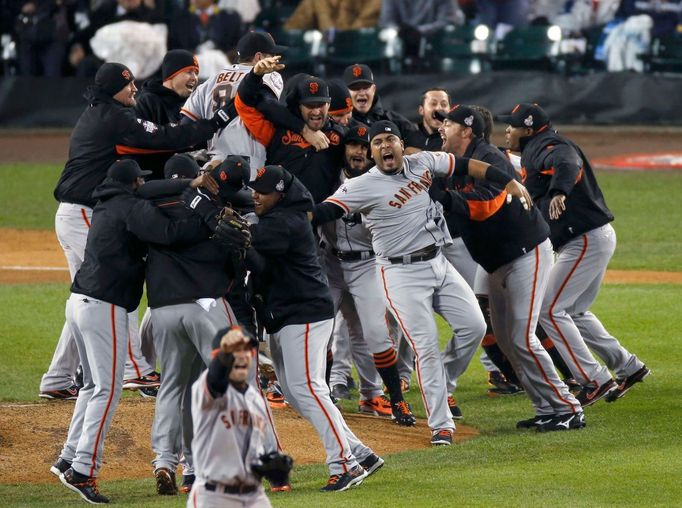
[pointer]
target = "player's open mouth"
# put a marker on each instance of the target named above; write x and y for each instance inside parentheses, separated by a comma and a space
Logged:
(356, 159)
(362, 101)
(388, 157)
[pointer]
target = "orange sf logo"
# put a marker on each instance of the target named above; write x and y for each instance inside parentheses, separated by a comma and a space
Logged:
(260, 172)
(357, 71)
(126, 74)
(349, 102)
(314, 87)
(223, 175)
(362, 131)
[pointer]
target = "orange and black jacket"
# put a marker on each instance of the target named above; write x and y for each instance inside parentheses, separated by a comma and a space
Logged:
(494, 232)
(318, 171)
(107, 131)
(552, 164)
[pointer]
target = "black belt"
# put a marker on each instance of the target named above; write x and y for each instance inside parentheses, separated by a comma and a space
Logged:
(231, 489)
(353, 255)
(424, 254)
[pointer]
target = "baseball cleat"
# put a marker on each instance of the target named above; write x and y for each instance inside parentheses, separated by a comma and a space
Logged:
(500, 385)
(281, 488)
(402, 414)
(187, 482)
(625, 384)
(372, 463)
(165, 482)
(573, 386)
(566, 421)
(84, 486)
(589, 394)
(341, 482)
(377, 406)
(151, 380)
(442, 437)
(149, 393)
(275, 396)
(455, 410)
(60, 467)
(341, 391)
(532, 423)
(70, 393)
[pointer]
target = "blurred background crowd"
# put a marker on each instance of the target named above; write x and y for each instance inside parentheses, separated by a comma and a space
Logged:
(73, 37)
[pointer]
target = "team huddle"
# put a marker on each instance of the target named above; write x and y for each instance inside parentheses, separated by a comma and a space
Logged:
(302, 228)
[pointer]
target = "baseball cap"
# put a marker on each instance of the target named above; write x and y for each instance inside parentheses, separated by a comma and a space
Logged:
(258, 42)
(340, 97)
(215, 343)
(312, 90)
(180, 165)
(357, 74)
(233, 173)
(126, 171)
(358, 133)
(270, 179)
(463, 115)
(111, 77)
(526, 115)
(383, 126)
(177, 61)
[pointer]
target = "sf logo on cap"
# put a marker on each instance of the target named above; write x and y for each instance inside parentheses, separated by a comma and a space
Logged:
(469, 120)
(362, 131)
(314, 87)
(126, 74)
(280, 186)
(528, 121)
(357, 71)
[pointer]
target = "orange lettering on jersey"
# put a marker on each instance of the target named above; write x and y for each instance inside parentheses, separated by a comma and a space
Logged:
(405, 193)
(426, 179)
(394, 204)
(226, 421)
(244, 418)
(333, 137)
(294, 139)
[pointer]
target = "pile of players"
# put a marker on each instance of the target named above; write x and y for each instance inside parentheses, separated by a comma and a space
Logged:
(351, 211)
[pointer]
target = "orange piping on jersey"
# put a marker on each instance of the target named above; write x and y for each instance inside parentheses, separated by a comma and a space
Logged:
(483, 210)
(407, 336)
(340, 203)
(131, 150)
(554, 302)
(85, 217)
(451, 169)
(549, 171)
(529, 331)
(580, 175)
(170, 203)
(189, 114)
(254, 121)
(132, 357)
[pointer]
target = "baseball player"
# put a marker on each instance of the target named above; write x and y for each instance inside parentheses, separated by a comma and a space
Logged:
(350, 269)
(512, 245)
(560, 179)
(414, 274)
(300, 321)
(107, 129)
(106, 288)
(234, 447)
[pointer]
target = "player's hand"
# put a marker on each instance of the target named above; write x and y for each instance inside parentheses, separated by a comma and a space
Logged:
(207, 182)
(233, 340)
(268, 65)
(316, 138)
(516, 190)
(557, 206)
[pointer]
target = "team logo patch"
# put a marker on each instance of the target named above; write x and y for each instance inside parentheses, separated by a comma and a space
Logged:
(280, 186)
(313, 87)
(528, 121)
(469, 120)
(357, 71)
(362, 131)
(344, 189)
(334, 138)
(150, 127)
(223, 175)
(260, 172)
(126, 75)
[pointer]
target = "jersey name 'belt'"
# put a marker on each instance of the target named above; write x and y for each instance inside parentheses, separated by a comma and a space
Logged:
(231, 489)
(352, 255)
(424, 254)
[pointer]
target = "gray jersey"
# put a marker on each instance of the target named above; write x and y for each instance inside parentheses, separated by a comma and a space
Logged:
(347, 234)
(213, 94)
(230, 433)
(397, 208)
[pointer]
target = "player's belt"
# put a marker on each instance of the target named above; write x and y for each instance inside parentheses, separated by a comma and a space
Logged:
(231, 489)
(353, 255)
(424, 254)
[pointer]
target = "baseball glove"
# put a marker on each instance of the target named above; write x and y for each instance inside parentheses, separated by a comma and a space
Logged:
(275, 467)
(232, 230)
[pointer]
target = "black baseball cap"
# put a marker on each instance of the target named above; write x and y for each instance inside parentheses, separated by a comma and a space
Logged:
(464, 115)
(180, 165)
(340, 97)
(273, 178)
(383, 126)
(358, 74)
(177, 61)
(233, 173)
(258, 42)
(126, 171)
(526, 115)
(215, 343)
(111, 77)
(358, 133)
(312, 90)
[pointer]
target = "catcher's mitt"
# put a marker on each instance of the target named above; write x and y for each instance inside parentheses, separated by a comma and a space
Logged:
(275, 467)
(232, 230)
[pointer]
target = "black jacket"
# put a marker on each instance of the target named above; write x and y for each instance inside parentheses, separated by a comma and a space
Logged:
(160, 105)
(108, 130)
(552, 164)
(291, 278)
(494, 232)
(423, 140)
(377, 112)
(113, 266)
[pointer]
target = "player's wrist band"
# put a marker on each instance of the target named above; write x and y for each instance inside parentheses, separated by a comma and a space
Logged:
(461, 166)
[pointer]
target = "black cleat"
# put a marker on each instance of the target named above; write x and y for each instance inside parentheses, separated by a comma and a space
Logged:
(70, 393)
(165, 482)
(500, 386)
(85, 486)
(372, 463)
(339, 483)
(341, 392)
(626, 383)
(565, 421)
(401, 413)
(589, 394)
(60, 467)
(187, 482)
(442, 437)
(532, 423)
(455, 410)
